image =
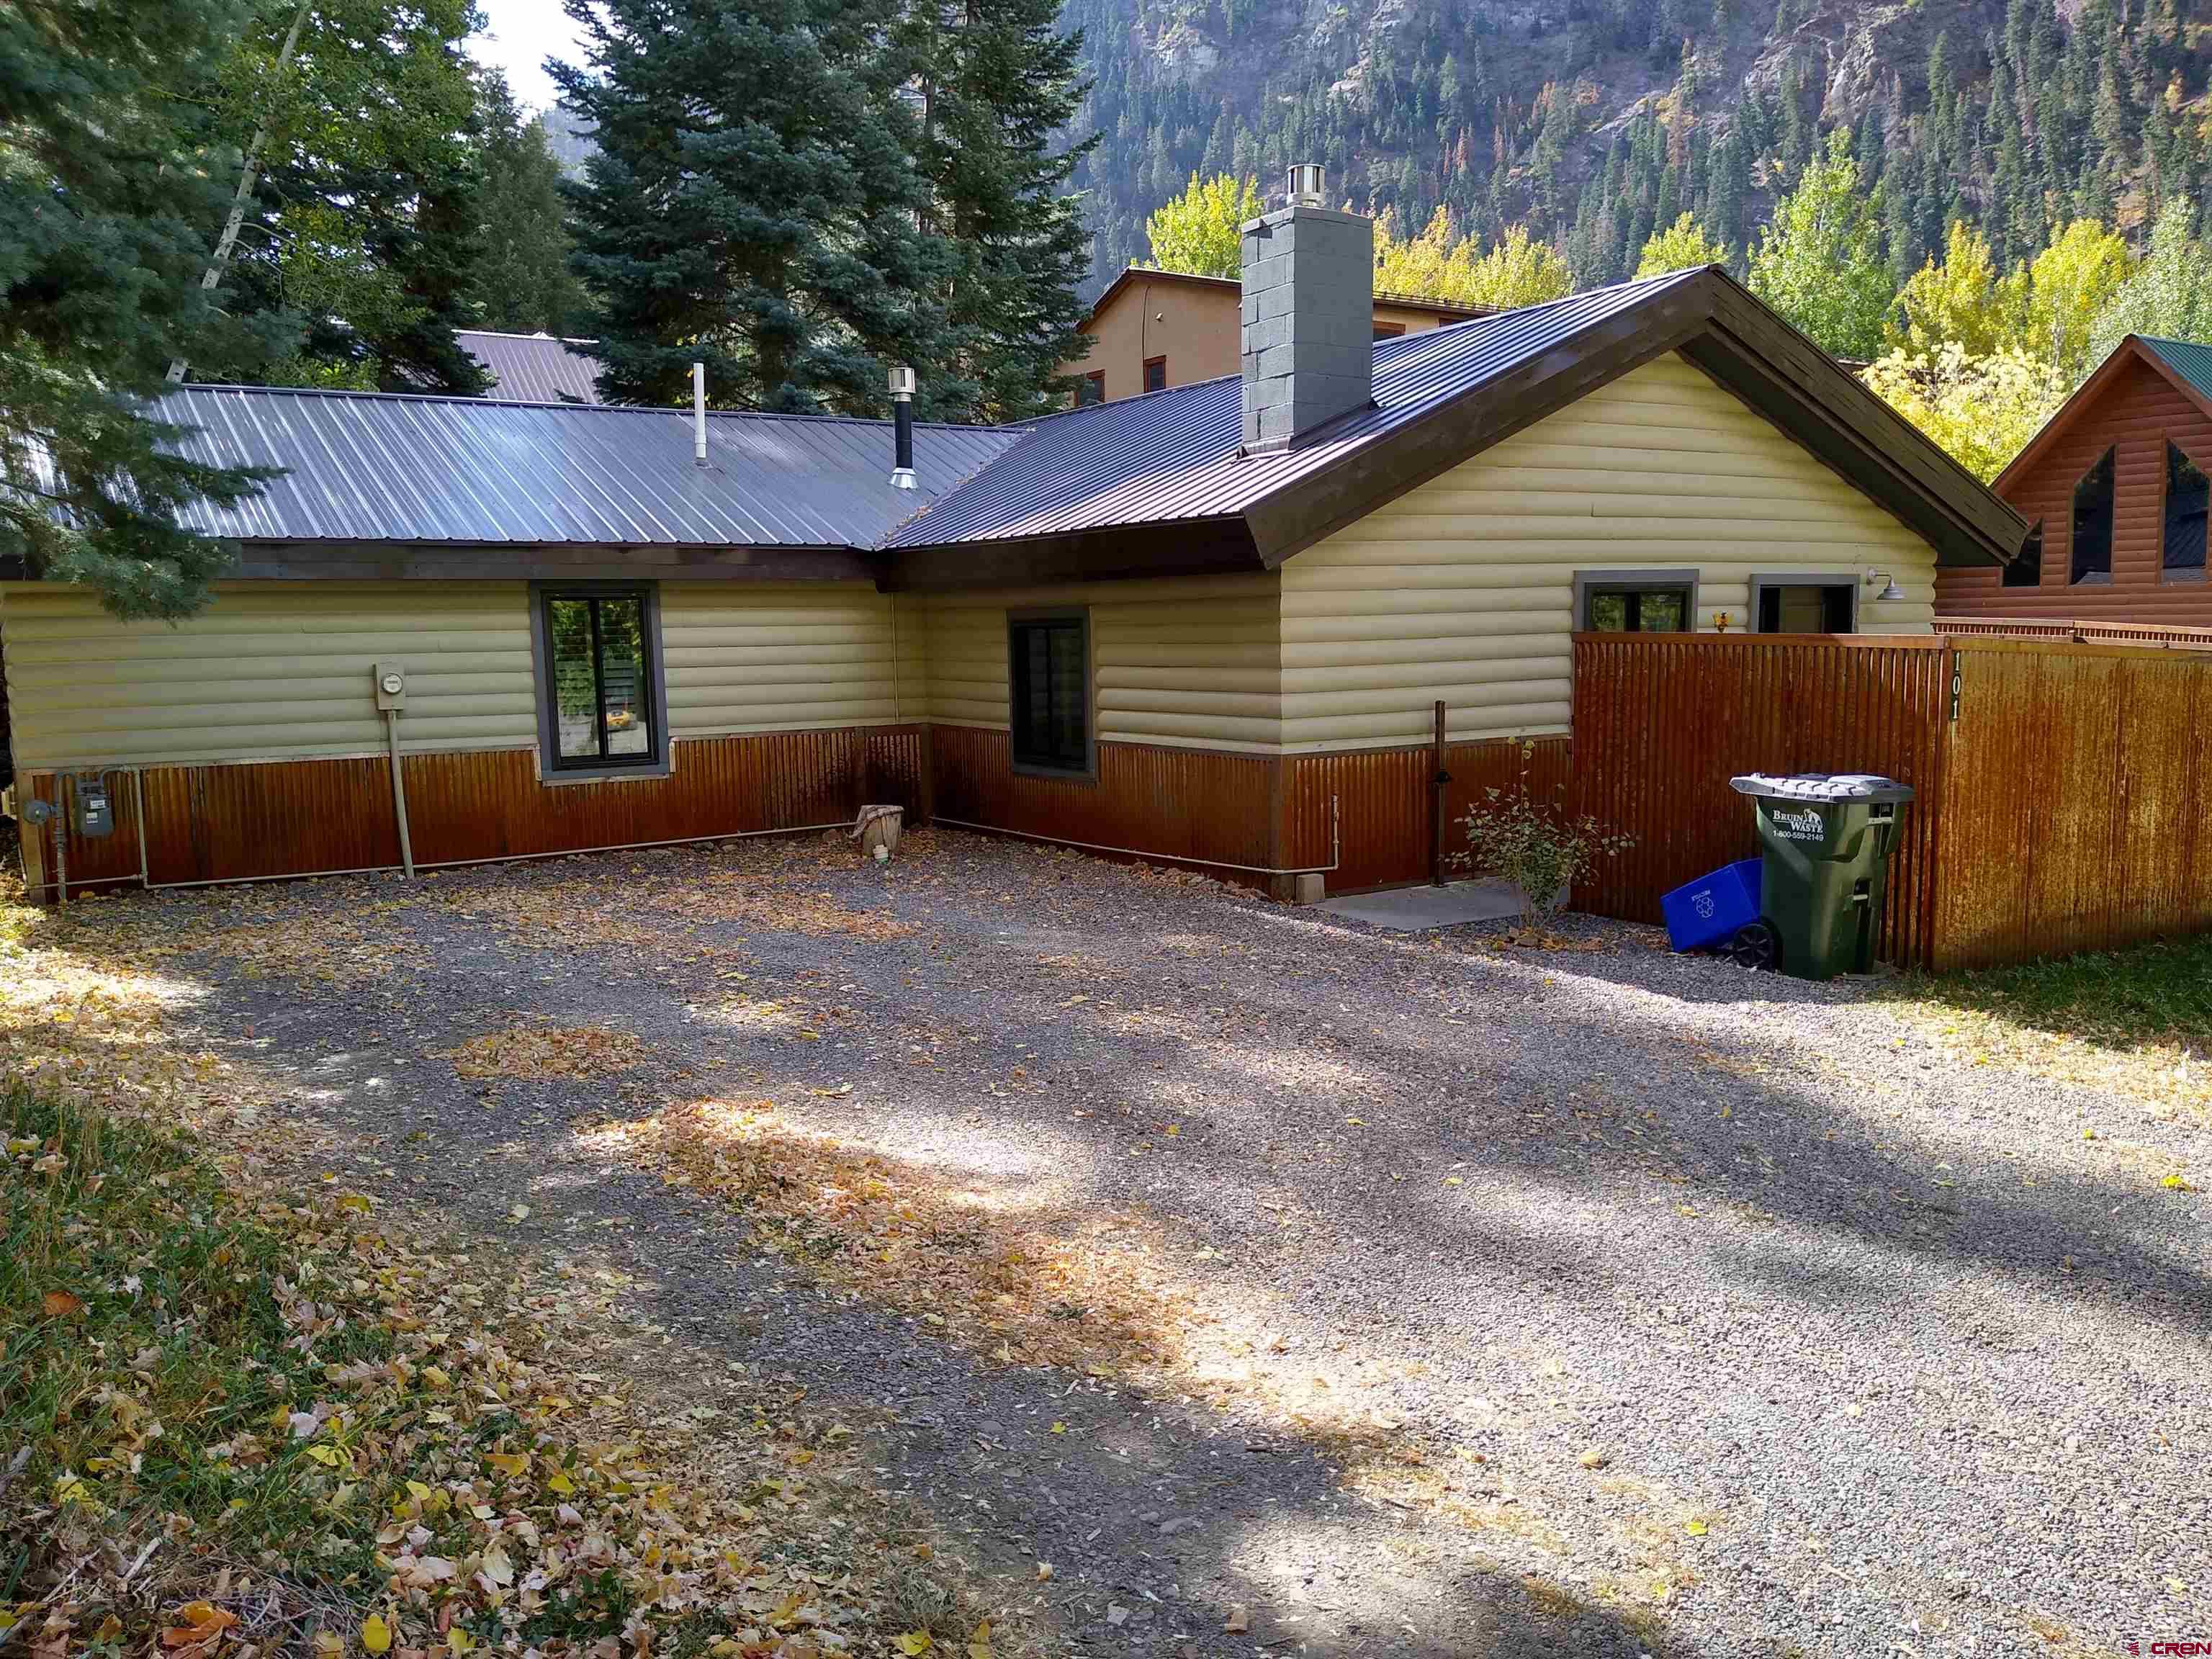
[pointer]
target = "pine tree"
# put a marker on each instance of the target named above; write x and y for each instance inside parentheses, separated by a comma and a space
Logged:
(523, 282)
(366, 222)
(1001, 85)
(108, 206)
(754, 203)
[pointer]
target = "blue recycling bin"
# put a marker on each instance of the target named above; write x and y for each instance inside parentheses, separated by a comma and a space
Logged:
(1705, 913)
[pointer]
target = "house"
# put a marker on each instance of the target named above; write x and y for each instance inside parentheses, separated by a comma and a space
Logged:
(1154, 329)
(533, 368)
(2115, 488)
(1210, 625)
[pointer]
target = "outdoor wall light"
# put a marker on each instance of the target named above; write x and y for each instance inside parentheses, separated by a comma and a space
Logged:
(1890, 589)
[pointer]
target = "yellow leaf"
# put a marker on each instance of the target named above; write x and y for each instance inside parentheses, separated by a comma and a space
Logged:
(329, 1645)
(419, 1492)
(979, 1645)
(459, 1640)
(509, 1463)
(1454, 1181)
(1356, 1122)
(357, 1201)
(1059, 1428)
(1695, 1529)
(329, 1456)
(561, 1483)
(914, 1642)
(1173, 1129)
(1044, 1572)
(436, 1378)
(375, 1634)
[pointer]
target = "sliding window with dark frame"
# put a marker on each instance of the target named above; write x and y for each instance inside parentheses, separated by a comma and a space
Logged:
(1787, 602)
(601, 695)
(1049, 693)
(2181, 532)
(1636, 601)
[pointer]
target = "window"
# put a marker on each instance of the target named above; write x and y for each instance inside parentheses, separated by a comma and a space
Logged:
(1049, 674)
(1388, 331)
(1091, 388)
(2093, 524)
(2027, 570)
(1156, 373)
(1791, 604)
(2182, 536)
(1636, 601)
(599, 679)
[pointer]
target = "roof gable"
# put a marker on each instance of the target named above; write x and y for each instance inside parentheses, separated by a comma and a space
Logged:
(2185, 365)
(1087, 482)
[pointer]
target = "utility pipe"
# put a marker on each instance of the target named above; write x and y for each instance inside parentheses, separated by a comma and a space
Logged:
(399, 793)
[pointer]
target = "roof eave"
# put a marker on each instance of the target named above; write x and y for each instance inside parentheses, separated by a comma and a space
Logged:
(2131, 349)
(385, 561)
(1187, 547)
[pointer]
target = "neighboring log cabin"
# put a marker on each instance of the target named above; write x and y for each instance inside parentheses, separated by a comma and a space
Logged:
(1204, 626)
(2115, 489)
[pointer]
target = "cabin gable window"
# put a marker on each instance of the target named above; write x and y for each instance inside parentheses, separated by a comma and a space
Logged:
(2092, 525)
(600, 695)
(2181, 530)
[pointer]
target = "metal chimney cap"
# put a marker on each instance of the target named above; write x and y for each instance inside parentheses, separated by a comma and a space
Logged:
(902, 380)
(1304, 188)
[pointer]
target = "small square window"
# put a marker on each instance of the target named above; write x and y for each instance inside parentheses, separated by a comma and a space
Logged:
(599, 680)
(1156, 373)
(1048, 679)
(1821, 607)
(1090, 389)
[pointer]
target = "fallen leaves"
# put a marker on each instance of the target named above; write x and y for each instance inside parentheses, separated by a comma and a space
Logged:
(582, 1052)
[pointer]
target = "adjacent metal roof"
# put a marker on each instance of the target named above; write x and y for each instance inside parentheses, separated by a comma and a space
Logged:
(384, 467)
(2189, 359)
(533, 368)
(1173, 455)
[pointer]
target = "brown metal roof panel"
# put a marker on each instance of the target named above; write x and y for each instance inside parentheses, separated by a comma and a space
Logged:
(1175, 454)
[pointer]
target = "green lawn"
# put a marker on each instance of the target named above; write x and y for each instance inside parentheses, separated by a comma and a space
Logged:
(2138, 1020)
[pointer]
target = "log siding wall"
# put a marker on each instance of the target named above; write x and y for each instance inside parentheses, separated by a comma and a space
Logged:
(1464, 588)
(2136, 417)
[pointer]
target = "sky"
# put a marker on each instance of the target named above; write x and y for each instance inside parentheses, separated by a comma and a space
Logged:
(519, 35)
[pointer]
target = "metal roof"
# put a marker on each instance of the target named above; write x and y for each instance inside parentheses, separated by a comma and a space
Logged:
(384, 467)
(1173, 455)
(2192, 361)
(533, 368)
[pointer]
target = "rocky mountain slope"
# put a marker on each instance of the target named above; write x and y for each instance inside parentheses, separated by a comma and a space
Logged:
(1593, 119)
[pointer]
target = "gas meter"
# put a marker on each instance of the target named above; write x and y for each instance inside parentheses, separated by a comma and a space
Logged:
(96, 815)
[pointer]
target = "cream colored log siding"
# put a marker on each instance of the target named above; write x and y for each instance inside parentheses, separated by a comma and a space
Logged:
(1192, 662)
(740, 657)
(268, 670)
(281, 670)
(1464, 588)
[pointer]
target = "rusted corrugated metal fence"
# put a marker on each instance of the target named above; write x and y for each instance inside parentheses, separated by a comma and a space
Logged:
(2060, 799)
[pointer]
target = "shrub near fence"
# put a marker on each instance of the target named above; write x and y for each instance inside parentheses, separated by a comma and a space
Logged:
(2059, 807)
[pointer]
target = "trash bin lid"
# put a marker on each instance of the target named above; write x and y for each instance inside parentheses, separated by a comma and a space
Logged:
(1836, 787)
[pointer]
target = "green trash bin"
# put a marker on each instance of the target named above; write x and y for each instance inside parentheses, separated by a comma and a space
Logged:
(1824, 842)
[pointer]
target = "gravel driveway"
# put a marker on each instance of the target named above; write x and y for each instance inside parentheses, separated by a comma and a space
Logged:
(1730, 1315)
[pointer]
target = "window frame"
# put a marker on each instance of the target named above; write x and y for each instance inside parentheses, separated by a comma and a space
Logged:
(2075, 576)
(2034, 539)
(1387, 330)
(1589, 584)
(1762, 580)
(2185, 575)
(553, 766)
(1145, 378)
(1059, 614)
(1095, 381)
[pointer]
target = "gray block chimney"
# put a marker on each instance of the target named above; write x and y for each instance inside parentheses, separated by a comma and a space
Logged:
(1309, 316)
